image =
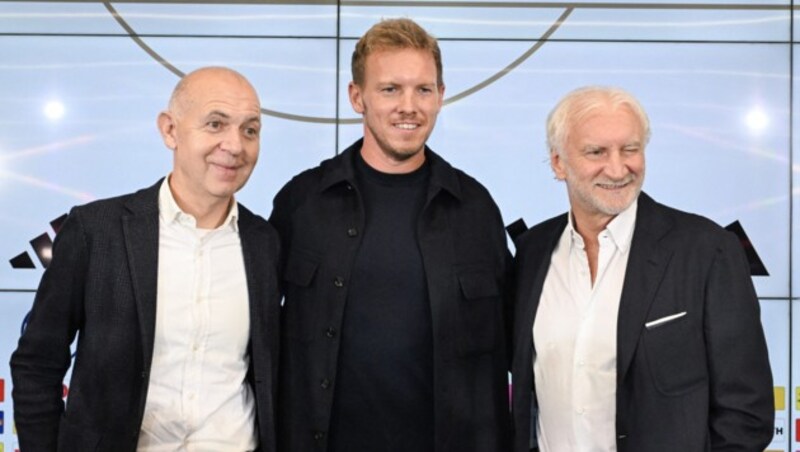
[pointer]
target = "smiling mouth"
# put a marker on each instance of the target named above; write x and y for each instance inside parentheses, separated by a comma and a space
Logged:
(225, 168)
(406, 126)
(615, 185)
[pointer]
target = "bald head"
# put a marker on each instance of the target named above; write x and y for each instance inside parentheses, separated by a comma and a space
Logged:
(192, 84)
(213, 127)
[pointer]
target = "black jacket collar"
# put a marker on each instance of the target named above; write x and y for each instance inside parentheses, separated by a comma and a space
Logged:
(341, 169)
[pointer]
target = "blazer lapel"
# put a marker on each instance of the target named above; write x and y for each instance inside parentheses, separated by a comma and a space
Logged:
(646, 265)
(140, 230)
(534, 261)
(541, 252)
(249, 246)
(260, 286)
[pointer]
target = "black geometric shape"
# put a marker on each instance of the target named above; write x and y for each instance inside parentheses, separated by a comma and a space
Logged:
(22, 261)
(516, 229)
(757, 267)
(43, 246)
(58, 222)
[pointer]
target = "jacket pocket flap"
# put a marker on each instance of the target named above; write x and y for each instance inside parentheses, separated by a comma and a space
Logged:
(300, 270)
(478, 284)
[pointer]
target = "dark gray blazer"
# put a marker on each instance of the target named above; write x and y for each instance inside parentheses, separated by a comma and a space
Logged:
(101, 285)
(699, 383)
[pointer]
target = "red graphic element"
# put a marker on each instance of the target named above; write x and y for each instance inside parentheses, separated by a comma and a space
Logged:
(2, 390)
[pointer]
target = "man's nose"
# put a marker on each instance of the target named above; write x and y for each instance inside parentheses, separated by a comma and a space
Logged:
(232, 141)
(408, 103)
(616, 167)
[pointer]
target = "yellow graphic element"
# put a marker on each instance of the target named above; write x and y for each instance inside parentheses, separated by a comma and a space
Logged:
(780, 397)
(797, 397)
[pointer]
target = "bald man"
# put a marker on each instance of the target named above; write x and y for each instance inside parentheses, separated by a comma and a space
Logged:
(172, 292)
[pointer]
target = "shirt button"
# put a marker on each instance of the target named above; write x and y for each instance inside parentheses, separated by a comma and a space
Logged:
(325, 383)
(580, 363)
(319, 436)
(330, 332)
(338, 282)
(352, 232)
(579, 410)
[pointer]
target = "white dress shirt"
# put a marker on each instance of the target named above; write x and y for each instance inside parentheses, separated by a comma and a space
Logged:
(575, 338)
(198, 398)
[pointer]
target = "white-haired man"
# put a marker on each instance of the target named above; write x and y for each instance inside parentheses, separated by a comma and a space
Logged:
(637, 327)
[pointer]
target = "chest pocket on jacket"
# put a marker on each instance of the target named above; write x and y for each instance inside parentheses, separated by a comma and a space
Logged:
(300, 306)
(479, 312)
(676, 356)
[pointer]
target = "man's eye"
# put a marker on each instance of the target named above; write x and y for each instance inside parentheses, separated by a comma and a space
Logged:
(214, 124)
(251, 131)
(389, 89)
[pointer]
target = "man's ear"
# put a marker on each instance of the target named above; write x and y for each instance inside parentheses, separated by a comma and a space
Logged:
(166, 126)
(441, 95)
(356, 98)
(557, 165)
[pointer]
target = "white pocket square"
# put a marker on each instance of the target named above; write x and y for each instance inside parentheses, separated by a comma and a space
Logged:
(663, 320)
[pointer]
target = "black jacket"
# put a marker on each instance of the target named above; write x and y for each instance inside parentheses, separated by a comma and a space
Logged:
(700, 382)
(101, 284)
(319, 215)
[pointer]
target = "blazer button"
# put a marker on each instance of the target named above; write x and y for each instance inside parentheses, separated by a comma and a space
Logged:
(330, 332)
(325, 383)
(352, 232)
(338, 282)
(319, 436)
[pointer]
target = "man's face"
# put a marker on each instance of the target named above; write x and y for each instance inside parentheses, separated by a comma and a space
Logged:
(399, 100)
(215, 134)
(603, 163)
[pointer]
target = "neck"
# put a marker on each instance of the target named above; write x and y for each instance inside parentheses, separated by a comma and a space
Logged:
(207, 214)
(382, 161)
(590, 226)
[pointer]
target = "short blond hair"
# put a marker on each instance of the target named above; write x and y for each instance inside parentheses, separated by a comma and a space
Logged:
(394, 34)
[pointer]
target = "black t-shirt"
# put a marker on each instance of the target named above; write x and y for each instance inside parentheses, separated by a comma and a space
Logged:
(383, 398)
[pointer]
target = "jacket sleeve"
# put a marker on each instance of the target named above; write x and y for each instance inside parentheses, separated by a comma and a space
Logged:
(42, 356)
(742, 411)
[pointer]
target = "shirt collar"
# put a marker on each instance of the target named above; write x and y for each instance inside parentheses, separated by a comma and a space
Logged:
(170, 212)
(620, 229)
